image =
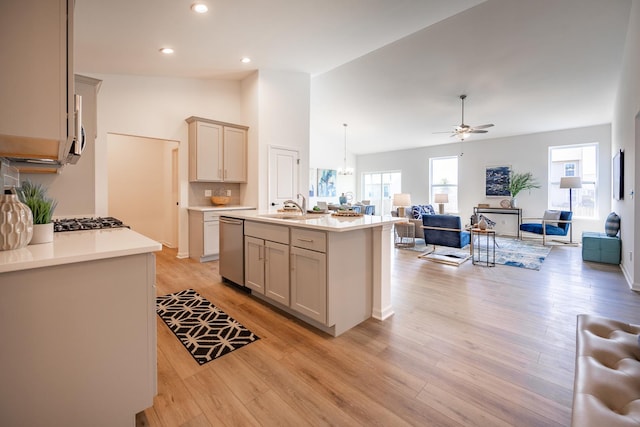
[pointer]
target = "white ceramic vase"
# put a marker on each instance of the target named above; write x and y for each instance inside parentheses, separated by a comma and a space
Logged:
(514, 202)
(16, 223)
(482, 225)
(42, 233)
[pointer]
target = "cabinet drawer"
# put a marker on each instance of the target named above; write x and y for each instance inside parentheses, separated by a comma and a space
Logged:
(309, 239)
(210, 216)
(275, 233)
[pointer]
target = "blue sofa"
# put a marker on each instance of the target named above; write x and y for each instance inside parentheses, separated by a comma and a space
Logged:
(444, 230)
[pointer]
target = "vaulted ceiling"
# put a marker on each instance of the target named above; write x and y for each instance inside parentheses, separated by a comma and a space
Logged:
(392, 70)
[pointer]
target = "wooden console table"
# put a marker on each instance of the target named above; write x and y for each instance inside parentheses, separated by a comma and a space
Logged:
(502, 211)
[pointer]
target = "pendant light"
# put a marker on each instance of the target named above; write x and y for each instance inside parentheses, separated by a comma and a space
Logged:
(345, 170)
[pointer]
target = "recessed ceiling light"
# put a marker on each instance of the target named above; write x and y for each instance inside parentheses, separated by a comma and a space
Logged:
(166, 50)
(245, 60)
(199, 7)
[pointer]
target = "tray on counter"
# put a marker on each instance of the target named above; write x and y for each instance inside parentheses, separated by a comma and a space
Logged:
(347, 213)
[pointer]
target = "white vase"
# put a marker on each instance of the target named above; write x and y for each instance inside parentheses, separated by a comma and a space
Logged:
(482, 225)
(42, 233)
(16, 223)
(514, 202)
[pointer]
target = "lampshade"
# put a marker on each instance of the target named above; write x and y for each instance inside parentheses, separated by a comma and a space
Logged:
(570, 182)
(401, 199)
(441, 198)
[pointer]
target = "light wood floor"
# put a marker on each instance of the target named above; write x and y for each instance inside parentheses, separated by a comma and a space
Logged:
(467, 345)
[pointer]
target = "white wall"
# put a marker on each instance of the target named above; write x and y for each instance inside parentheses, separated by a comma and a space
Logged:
(525, 153)
(625, 135)
(157, 107)
(140, 192)
(283, 111)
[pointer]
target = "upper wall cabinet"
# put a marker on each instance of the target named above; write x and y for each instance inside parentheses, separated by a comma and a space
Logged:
(36, 88)
(217, 151)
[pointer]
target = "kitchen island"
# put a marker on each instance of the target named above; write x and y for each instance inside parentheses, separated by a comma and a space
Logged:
(78, 330)
(331, 271)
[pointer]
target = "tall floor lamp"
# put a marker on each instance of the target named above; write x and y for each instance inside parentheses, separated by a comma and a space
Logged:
(570, 182)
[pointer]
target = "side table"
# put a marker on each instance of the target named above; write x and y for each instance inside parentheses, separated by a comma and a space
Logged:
(405, 234)
(486, 257)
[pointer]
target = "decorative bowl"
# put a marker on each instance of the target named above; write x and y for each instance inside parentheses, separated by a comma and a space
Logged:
(220, 200)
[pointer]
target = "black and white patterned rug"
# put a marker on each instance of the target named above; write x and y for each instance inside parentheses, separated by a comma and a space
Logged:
(205, 330)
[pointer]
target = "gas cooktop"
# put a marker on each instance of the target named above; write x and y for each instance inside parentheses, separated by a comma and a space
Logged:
(76, 224)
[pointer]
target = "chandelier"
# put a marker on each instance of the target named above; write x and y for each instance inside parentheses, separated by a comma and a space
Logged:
(345, 170)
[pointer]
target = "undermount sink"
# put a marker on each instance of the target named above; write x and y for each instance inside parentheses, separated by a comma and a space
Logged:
(281, 215)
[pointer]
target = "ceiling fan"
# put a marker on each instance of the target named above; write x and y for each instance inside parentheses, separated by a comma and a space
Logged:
(463, 131)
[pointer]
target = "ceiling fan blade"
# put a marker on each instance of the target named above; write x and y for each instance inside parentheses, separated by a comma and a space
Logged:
(478, 131)
(483, 126)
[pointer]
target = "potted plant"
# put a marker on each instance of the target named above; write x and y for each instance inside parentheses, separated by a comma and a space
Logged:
(519, 182)
(42, 207)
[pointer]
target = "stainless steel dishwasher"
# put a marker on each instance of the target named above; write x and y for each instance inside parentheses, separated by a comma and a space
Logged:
(232, 250)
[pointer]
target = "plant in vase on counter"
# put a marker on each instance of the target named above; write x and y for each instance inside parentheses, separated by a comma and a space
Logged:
(42, 207)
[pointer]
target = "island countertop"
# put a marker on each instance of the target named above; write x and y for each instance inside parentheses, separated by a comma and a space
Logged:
(326, 221)
(78, 246)
(212, 208)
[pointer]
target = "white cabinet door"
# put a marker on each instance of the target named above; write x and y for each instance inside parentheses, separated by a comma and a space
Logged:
(209, 152)
(211, 238)
(254, 263)
(309, 283)
(277, 272)
(235, 155)
(36, 88)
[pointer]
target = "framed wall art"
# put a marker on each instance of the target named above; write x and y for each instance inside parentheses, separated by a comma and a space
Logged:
(497, 181)
(313, 181)
(327, 182)
(618, 175)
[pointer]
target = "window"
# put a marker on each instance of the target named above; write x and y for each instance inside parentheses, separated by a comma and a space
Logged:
(444, 179)
(379, 188)
(574, 160)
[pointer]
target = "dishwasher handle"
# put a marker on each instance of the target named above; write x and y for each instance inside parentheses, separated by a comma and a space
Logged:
(231, 221)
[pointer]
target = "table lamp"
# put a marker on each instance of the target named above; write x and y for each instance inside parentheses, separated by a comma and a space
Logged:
(401, 200)
(441, 199)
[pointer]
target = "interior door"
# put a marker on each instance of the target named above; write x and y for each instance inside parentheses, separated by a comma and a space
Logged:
(283, 175)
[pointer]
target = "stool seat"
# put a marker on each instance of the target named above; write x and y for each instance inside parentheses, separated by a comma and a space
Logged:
(599, 247)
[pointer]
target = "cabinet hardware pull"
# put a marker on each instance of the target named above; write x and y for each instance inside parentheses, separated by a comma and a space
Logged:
(305, 240)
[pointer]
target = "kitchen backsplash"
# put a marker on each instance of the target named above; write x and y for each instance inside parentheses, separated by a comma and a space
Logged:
(197, 192)
(9, 175)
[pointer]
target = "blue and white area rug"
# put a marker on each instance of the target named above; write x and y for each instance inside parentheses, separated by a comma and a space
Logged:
(509, 251)
(205, 330)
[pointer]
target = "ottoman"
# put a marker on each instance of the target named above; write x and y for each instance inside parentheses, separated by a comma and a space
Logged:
(606, 387)
(599, 247)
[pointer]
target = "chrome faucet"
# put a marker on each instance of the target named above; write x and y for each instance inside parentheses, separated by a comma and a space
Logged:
(304, 203)
(302, 208)
(291, 202)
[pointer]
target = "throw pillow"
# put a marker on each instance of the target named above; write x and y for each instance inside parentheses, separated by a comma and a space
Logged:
(428, 210)
(416, 211)
(551, 216)
(612, 225)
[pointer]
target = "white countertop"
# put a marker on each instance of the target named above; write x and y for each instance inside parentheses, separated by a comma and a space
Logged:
(219, 208)
(326, 222)
(78, 246)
